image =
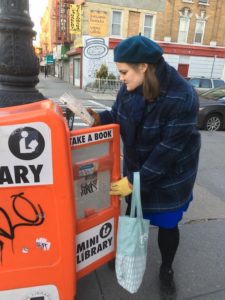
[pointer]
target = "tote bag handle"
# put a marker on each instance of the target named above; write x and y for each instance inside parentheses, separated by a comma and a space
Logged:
(136, 197)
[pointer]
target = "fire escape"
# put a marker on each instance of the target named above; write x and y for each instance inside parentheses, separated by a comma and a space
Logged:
(60, 15)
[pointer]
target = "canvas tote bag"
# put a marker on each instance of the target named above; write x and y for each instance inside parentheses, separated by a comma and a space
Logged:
(132, 241)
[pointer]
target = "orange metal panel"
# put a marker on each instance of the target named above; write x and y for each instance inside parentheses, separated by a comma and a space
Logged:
(37, 211)
(96, 231)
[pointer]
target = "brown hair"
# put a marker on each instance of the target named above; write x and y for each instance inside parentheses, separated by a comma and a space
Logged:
(151, 86)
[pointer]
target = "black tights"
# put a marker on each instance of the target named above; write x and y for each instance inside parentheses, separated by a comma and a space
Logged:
(168, 240)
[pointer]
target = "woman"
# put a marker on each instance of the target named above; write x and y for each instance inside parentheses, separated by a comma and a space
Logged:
(157, 112)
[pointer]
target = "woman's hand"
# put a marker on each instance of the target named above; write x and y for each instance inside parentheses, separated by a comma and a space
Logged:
(96, 117)
(121, 187)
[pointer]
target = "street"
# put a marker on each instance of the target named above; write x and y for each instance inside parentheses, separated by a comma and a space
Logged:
(200, 261)
(212, 163)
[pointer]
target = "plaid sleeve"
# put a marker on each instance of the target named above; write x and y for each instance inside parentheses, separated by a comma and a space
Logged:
(177, 134)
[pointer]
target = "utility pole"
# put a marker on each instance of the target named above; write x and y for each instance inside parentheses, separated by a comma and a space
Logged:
(19, 66)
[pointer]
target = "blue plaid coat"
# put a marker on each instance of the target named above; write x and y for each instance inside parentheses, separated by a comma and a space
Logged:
(160, 139)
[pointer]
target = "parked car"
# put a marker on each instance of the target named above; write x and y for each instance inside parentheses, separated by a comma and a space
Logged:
(211, 114)
(202, 84)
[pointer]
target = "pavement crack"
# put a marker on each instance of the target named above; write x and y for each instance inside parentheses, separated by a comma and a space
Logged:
(205, 294)
(202, 220)
(99, 285)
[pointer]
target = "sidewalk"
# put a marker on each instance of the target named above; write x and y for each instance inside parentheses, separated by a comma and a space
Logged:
(200, 261)
(199, 264)
(61, 86)
(199, 268)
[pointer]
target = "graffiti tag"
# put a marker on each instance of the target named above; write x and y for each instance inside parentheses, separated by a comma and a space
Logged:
(7, 230)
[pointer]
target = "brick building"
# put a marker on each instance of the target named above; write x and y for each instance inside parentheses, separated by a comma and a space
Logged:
(190, 32)
(193, 37)
(199, 22)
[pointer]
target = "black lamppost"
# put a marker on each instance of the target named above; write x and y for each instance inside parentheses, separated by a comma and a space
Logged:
(19, 66)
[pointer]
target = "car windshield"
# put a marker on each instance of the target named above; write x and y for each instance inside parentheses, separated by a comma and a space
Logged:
(215, 94)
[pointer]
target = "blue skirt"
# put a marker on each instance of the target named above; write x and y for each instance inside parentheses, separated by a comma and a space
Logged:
(167, 220)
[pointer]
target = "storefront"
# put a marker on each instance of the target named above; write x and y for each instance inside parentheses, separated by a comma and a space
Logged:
(75, 67)
(189, 60)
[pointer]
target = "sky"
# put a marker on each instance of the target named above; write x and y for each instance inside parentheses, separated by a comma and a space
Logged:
(37, 8)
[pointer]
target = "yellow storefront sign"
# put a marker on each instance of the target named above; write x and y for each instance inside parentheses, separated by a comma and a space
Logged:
(75, 19)
(98, 23)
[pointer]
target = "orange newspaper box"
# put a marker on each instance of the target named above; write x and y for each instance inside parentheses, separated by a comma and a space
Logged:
(37, 208)
(96, 163)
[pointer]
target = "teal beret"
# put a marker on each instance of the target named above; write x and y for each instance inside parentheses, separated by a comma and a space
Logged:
(137, 49)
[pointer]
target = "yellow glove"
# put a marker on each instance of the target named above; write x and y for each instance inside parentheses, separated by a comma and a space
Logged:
(121, 187)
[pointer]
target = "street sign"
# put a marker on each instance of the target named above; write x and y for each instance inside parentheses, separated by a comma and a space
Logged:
(49, 60)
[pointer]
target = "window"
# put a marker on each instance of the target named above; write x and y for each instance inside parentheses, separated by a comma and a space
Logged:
(116, 23)
(199, 31)
(206, 83)
(185, 15)
(203, 1)
(218, 82)
(148, 22)
(133, 23)
(195, 82)
(183, 30)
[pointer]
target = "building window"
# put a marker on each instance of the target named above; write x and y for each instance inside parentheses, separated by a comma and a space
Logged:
(148, 24)
(199, 31)
(185, 15)
(116, 23)
(133, 23)
(203, 1)
(183, 30)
